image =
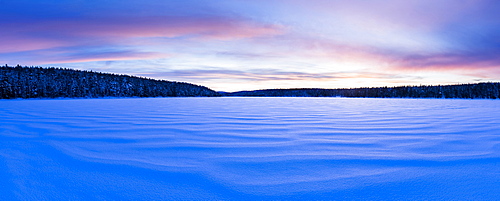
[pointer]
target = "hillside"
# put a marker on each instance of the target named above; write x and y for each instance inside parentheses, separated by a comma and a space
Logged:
(38, 82)
(487, 90)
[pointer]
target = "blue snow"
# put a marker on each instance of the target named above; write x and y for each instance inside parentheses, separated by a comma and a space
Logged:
(235, 148)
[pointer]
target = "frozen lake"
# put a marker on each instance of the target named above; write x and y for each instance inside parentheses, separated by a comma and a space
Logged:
(250, 149)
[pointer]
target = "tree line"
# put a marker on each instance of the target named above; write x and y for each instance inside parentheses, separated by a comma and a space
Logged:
(38, 82)
(487, 90)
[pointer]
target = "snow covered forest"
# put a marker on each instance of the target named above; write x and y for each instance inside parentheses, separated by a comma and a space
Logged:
(489, 90)
(38, 82)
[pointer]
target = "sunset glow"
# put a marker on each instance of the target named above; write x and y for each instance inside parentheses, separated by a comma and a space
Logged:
(238, 45)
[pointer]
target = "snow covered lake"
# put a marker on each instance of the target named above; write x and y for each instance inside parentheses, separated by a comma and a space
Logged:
(250, 149)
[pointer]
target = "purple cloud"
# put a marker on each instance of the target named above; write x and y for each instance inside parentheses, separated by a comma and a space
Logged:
(300, 39)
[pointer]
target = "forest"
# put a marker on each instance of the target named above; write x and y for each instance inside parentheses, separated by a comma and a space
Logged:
(487, 90)
(38, 82)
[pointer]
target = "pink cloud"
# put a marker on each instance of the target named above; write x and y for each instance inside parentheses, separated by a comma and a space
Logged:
(478, 65)
(161, 26)
(484, 64)
(42, 57)
(77, 36)
(105, 56)
(98, 56)
(299, 46)
(270, 75)
(18, 43)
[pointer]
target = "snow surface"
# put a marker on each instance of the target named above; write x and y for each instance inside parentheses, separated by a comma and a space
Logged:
(250, 149)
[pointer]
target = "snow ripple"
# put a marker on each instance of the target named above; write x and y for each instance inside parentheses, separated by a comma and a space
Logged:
(284, 144)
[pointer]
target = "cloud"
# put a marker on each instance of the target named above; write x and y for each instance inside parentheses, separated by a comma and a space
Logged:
(258, 41)
(69, 55)
(58, 32)
(17, 44)
(163, 26)
(414, 34)
(268, 75)
(450, 61)
(473, 51)
(106, 56)
(124, 34)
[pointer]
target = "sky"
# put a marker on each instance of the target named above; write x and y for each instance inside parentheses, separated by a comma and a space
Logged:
(234, 45)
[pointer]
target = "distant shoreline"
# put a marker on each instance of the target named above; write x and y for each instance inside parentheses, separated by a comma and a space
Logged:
(59, 83)
(486, 90)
